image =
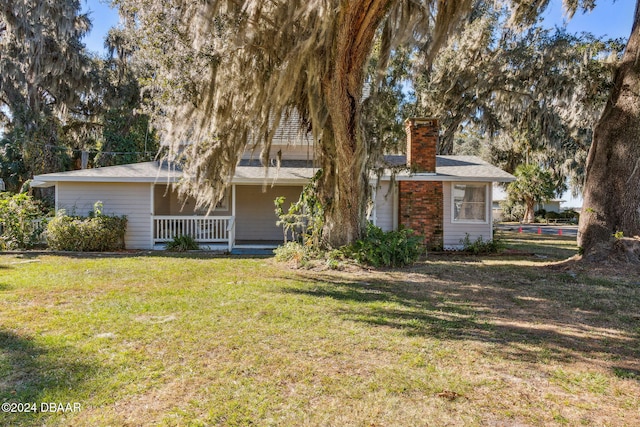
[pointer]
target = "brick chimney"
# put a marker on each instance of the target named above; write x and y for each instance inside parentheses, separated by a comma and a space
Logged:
(421, 200)
(422, 142)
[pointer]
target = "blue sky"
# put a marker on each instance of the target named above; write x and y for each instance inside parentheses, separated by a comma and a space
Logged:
(609, 19)
(102, 18)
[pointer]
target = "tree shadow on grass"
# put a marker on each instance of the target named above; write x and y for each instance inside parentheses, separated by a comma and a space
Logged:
(31, 373)
(532, 313)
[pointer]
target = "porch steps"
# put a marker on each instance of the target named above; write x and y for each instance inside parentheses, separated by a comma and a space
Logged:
(253, 250)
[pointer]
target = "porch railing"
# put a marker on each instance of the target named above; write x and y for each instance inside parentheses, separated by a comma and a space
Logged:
(203, 229)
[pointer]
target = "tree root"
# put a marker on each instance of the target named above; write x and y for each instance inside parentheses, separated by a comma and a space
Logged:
(625, 250)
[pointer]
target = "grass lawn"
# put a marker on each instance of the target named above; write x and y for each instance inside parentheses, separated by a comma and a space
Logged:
(135, 340)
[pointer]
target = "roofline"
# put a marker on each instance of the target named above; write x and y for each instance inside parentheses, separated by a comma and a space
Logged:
(51, 181)
(449, 178)
(274, 181)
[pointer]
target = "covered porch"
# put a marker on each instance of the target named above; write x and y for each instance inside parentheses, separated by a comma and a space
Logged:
(243, 220)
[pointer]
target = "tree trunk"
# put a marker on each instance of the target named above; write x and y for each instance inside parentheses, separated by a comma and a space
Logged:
(529, 213)
(612, 182)
(344, 186)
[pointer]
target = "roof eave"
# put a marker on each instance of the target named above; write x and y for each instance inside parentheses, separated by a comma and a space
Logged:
(443, 177)
(52, 180)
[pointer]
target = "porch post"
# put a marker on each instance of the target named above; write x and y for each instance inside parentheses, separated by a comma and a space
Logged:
(232, 232)
(151, 213)
(395, 204)
(374, 208)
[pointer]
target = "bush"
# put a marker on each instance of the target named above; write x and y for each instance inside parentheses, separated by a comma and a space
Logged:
(569, 214)
(182, 244)
(94, 233)
(512, 211)
(481, 246)
(540, 213)
(292, 252)
(387, 249)
(305, 218)
(21, 223)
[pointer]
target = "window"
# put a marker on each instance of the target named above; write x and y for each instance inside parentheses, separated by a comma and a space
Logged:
(469, 203)
(223, 204)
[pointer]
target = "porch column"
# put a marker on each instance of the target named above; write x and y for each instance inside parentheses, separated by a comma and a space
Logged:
(374, 209)
(151, 214)
(232, 231)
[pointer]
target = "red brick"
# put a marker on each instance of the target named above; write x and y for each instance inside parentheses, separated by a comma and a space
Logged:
(421, 203)
(421, 209)
(422, 143)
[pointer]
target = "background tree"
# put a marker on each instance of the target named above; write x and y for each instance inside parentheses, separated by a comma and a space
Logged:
(123, 132)
(60, 108)
(43, 67)
(518, 96)
(532, 185)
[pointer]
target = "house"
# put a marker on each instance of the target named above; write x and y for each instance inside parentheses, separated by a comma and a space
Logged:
(500, 196)
(441, 197)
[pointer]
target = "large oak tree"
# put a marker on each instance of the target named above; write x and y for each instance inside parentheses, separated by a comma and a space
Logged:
(612, 183)
(226, 72)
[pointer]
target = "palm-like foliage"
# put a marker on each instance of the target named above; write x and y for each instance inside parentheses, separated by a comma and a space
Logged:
(532, 185)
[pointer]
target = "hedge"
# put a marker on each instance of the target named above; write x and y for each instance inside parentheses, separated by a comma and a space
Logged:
(95, 233)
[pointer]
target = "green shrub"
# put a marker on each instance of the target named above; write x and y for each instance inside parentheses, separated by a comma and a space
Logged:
(540, 213)
(183, 243)
(512, 211)
(21, 221)
(387, 249)
(481, 246)
(292, 252)
(569, 214)
(305, 218)
(94, 233)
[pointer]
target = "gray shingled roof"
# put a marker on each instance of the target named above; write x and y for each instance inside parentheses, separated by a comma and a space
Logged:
(289, 172)
(452, 168)
(448, 168)
(134, 172)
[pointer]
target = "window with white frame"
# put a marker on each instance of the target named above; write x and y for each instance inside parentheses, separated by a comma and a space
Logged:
(469, 202)
(222, 205)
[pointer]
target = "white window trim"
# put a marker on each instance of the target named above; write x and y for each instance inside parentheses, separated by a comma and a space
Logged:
(487, 203)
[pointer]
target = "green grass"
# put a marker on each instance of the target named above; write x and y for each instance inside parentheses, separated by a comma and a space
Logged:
(545, 245)
(198, 340)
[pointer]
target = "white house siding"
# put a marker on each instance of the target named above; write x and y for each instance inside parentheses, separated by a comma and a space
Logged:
(385, 204)
(255, 211)
(130, 199)
(453, 233)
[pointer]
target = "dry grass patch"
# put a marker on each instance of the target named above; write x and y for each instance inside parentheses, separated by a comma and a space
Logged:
(518, 339)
